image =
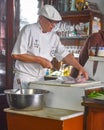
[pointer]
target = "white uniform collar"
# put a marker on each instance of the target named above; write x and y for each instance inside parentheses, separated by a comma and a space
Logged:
(39, 26)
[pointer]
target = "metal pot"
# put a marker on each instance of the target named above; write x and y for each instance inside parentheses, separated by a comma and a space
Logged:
(31, 99)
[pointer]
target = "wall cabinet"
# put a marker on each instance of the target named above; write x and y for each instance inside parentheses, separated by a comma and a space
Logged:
(81, 23)
(76, 25)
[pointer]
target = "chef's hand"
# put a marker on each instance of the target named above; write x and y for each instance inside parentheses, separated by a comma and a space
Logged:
(70, 60)
(45, 63)
(82, 74)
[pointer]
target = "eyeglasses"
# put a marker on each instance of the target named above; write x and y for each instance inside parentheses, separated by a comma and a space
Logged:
(53, 23)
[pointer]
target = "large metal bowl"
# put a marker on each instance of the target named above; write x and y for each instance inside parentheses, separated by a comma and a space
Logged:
(31, 99)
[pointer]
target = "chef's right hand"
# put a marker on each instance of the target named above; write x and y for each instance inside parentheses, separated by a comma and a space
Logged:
(45, 63)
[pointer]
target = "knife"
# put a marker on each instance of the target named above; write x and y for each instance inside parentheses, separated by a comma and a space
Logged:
(95, 63)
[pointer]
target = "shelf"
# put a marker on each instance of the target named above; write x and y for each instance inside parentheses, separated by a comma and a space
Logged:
(80, 16)
(86, 12)
(73, 38)
(76, 13)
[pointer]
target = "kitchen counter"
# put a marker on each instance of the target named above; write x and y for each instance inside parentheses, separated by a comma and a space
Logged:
(46, 119)
(51, 113)
(62, 109)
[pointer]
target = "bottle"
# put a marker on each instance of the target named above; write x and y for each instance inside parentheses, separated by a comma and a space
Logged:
(47, 72)
(73, 3)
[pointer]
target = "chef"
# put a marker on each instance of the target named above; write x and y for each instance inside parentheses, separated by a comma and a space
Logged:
(36, 46)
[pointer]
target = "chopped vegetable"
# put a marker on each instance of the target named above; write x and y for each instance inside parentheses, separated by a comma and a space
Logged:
(95, 94)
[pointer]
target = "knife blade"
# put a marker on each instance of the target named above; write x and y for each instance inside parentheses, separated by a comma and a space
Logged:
(95, 64)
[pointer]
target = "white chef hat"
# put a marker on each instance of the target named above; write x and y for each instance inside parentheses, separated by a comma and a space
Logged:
(50, 12)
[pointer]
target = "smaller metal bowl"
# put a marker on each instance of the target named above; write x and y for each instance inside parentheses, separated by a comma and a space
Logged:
(31, 99)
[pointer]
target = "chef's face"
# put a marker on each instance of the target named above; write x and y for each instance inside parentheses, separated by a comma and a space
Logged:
(46, 24)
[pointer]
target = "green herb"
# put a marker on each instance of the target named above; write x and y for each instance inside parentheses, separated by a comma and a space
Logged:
(95, 94)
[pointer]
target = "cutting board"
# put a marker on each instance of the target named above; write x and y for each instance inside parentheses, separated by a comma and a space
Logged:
(59, 83)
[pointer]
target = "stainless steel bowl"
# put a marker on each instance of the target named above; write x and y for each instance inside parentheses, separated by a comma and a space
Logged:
(31, 99)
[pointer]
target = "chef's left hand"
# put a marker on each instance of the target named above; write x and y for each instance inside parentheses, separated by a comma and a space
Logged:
(83, 73)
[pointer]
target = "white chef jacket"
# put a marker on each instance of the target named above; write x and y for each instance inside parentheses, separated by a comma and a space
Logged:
(32, 40)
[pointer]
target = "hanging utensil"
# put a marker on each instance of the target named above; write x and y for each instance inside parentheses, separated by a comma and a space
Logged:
(20, 86)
